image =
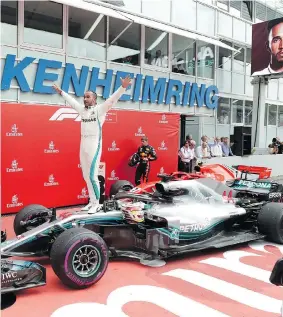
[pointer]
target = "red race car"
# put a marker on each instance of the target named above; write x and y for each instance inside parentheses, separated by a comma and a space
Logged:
(218, 172)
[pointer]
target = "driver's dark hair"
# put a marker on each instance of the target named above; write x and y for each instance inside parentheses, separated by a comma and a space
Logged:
(93, 93)
(271, 24)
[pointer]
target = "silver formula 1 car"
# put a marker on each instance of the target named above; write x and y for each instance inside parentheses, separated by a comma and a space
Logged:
(18, 275)
(178, 217)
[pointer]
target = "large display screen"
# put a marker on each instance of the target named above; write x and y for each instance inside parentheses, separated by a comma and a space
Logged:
(267, 48)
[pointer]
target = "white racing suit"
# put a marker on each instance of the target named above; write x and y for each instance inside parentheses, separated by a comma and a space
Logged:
(92, 119)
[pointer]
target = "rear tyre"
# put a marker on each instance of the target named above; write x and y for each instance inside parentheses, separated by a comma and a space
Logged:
(270, 222)
(26, 213)
(79, 257)
(121, 185)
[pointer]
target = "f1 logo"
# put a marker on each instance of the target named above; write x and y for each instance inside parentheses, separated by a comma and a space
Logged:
(65, 113)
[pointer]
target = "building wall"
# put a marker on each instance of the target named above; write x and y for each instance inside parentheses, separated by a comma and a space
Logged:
(52, 31)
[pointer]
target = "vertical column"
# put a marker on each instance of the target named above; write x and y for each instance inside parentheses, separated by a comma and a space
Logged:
(260, 85)
(200, 130)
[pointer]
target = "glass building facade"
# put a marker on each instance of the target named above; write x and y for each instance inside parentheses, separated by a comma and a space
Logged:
(74, 34)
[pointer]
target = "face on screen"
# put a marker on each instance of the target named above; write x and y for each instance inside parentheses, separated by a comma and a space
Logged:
(277, 43)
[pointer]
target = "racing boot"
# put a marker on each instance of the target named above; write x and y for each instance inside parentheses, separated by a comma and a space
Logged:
(87, 207)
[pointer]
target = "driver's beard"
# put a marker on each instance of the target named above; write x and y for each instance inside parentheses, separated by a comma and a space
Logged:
(275, 64)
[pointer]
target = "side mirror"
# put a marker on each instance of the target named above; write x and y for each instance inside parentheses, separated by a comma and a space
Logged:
(276, 276)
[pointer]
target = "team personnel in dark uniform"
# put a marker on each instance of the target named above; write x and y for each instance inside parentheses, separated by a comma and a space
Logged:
(146, 154)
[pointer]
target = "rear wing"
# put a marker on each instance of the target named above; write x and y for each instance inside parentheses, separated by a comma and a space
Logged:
(231, 173)
(253, 185)
(246, 171)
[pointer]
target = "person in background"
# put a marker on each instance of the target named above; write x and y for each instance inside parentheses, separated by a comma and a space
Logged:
(224, 118)
(272, 149)
(146, 154)
(189, 138)
(276, 142)
(193, 160)
(280, 147)
(205, 139)
(147, 58)
(127, 60)
(202, 151)
(185, 155)
(179, 66)
(216, 148)
(226, 149)
(159, 60)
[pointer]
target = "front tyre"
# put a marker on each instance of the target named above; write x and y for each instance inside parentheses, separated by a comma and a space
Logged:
(79, 257)
(34, 212)
(270, 222)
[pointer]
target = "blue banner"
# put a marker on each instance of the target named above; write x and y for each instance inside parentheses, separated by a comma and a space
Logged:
(145, 88)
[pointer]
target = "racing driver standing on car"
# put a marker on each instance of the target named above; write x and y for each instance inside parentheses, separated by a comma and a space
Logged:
(92, 119)
(146, 154)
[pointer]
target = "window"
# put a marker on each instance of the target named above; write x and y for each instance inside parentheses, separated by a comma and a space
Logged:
(248, 34)
(225, 25)
(280, 116)
(86, 34)
(239, 60)
(239, 30)
(223, 4)
(280, 89)
(9, 22)
(260, 12)
(248, 61)
(184, 56)
(43, 23)
(184, 14)
(272, 89)
(225, 57)
(159, 9)
(272, 113)
(248, 112)
(270, 14)
(156, 48)
(235, 8)
(205, 19)
(246, 7)
(237, 111)
(223, 111)
(124, 42)
(266, 114)
(134, 6)
(205, 60)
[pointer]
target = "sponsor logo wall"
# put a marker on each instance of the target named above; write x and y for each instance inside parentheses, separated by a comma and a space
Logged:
(40, 152)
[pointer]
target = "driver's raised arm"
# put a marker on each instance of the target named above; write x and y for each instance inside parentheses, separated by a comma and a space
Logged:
(70, 100)
(111, 101)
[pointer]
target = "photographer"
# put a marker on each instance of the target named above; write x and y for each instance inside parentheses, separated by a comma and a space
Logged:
(276, 147)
